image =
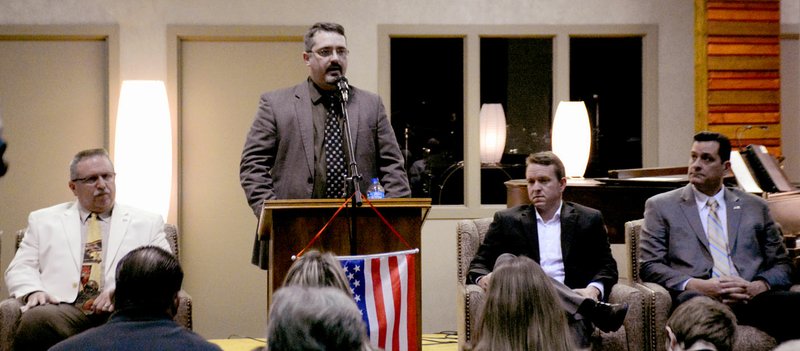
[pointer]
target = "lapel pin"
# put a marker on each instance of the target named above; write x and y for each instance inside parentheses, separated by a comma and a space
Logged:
(737, 207)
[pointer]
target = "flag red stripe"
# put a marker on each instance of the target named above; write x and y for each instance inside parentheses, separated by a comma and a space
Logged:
(380, 309)
(395, 280)
(412, 303)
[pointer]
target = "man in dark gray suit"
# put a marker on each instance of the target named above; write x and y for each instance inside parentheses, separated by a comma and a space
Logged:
(296, 147)
(705, 239)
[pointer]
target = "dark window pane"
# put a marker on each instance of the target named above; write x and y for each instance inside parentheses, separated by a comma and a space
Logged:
(428, 114)
(518, 73)
(606, 73)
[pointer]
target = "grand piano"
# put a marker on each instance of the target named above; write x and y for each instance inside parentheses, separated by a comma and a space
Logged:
(621, 197)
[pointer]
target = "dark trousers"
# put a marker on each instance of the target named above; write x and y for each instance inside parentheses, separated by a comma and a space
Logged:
(44, 326)
(762, 312)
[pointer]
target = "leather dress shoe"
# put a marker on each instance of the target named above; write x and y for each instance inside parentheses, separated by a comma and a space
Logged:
(608, 317)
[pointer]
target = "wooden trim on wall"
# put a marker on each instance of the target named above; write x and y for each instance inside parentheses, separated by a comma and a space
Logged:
(737, 71)
(700, 64)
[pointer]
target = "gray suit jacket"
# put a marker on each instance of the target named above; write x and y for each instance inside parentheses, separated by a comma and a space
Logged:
(674, 246)
(278, 157)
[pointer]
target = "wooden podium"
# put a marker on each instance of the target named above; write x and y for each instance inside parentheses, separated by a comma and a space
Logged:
(289, 225)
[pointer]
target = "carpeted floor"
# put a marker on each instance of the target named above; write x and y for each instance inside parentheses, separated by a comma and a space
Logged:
(430, 342)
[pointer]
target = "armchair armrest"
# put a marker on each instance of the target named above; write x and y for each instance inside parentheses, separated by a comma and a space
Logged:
(658, 305)
(633, 335)
(183, 315)
(469, 299)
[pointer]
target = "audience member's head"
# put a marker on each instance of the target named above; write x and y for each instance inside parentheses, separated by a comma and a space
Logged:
(317, 269)
(701, 323)
(521, 292)
(148, 278)
(315, 318)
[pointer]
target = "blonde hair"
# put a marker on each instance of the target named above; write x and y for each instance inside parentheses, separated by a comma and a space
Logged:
(522, 311)
(317, 269)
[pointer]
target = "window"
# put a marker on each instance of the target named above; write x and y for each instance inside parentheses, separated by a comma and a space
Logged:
(606, 73)
(440, 76)
(428, 114)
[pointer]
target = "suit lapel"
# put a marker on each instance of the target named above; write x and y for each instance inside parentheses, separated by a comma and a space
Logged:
(528, 220)
(71, 221)
(353, 117)
(305, 120)
(689, 207)
(568, 224)
(733, 211)
(116, 234)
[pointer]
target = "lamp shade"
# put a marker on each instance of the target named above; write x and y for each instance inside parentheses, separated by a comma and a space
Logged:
(143, 146)
(572, 137)
(493, 132)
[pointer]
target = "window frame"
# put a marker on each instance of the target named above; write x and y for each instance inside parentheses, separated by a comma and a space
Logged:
(471, 34)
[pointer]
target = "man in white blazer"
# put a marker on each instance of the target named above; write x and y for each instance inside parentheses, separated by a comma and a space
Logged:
(50, 271)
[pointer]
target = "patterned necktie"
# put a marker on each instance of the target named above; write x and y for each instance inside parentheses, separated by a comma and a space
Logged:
(334, 156)
(92, 270)
(717, 243)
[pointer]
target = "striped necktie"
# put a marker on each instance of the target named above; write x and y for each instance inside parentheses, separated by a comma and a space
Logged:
(717, 242)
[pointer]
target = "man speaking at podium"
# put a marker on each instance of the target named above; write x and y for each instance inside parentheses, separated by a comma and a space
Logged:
(297, 146)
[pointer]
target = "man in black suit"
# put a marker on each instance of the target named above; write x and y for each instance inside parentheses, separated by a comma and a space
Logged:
(568, 240)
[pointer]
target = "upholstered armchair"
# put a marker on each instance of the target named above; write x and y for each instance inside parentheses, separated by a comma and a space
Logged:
(10, 308)
(471, 232)
(659, 304)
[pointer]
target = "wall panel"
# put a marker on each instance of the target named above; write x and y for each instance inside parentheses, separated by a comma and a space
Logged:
(54, 102)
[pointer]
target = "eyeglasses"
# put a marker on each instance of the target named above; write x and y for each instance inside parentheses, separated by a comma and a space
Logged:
(327, 52)
(92, 180)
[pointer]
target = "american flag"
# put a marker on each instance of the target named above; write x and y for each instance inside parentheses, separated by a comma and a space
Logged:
(383, 287)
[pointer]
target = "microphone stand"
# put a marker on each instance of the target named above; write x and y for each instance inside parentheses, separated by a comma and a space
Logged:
(354, 176)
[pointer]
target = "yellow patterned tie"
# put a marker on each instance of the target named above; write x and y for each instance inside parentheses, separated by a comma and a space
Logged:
(94, 250)
(717, 243)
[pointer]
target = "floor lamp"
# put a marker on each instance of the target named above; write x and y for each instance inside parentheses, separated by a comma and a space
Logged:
(143, 146)
(572, 137)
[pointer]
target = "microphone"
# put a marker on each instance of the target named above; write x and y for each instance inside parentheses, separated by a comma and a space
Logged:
(344, 89)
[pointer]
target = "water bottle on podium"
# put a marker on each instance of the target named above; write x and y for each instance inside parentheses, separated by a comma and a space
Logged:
(375, 190)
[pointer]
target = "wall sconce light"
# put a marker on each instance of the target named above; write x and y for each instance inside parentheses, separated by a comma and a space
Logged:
(143, 146)
(493, 133)
(572, 137)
